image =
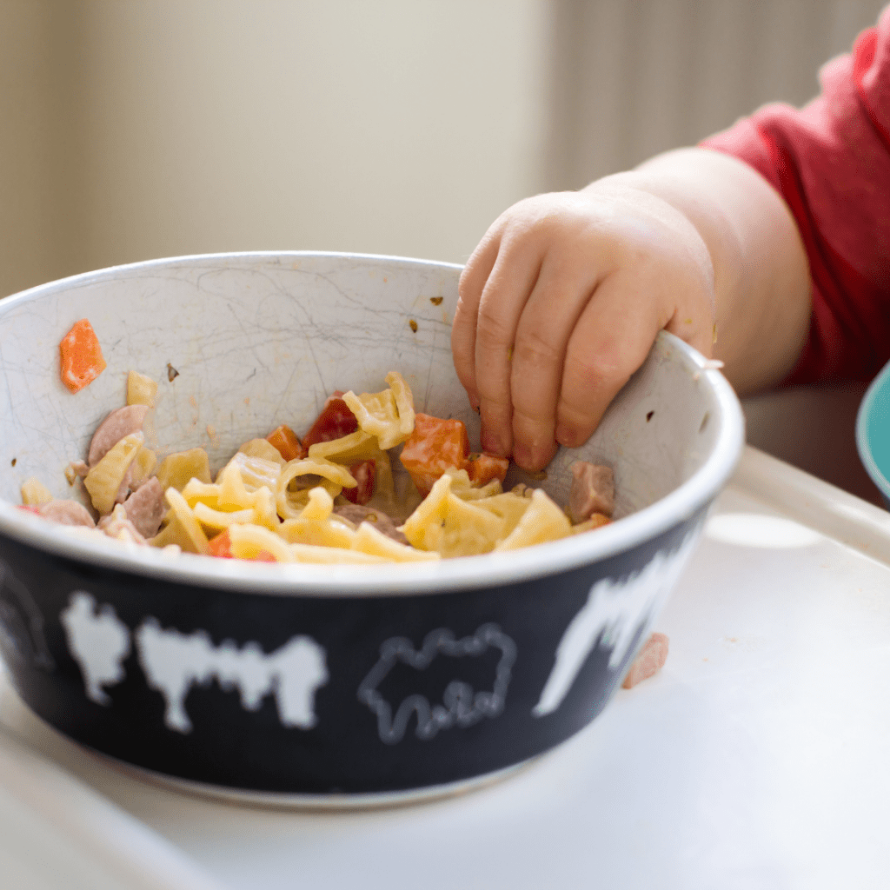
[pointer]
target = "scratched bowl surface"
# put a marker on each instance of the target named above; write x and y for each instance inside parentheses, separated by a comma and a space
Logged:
(319, 684)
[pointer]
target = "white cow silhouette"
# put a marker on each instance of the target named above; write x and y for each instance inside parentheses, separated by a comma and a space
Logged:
(173, 662)
(620, 612)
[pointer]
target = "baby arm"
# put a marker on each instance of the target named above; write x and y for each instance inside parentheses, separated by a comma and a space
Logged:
(565, 294)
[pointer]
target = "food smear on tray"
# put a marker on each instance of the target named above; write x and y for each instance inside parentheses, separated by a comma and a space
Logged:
(330, 495)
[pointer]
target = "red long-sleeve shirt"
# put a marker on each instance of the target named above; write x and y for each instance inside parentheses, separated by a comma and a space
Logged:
(830, 161)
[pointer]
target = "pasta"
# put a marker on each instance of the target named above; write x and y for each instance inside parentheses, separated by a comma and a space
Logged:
(328, 499)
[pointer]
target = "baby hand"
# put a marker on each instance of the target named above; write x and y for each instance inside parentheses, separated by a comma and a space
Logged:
(561, 302)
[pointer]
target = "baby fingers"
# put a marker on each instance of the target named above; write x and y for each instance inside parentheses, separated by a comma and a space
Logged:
(559, 298)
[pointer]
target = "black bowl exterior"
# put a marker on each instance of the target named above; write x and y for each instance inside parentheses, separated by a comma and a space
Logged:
(321, 695)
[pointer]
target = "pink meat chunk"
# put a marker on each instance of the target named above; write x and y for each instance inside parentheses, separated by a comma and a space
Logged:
(649, 662)
(358, 513)
(116, 525)
(116, 425)
(67, 512)
(592, 491)
(145, 507)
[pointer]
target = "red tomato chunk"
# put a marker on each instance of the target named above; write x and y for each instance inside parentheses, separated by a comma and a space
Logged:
(363, 473)
(334, 422)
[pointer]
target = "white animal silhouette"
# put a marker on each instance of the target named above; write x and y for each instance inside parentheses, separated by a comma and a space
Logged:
(461, 705)
(173, 662)
(98, 641)
(620, 612)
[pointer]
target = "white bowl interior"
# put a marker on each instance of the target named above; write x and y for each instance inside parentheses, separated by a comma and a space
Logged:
(242, 342)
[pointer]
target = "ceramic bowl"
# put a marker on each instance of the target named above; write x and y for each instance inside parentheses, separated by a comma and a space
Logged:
(320, 684)
(873, 432)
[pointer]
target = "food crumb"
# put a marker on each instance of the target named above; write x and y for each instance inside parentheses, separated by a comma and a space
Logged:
(413, 325)
(436, 301)
(172, 373)
(14, 461)
(649, 662)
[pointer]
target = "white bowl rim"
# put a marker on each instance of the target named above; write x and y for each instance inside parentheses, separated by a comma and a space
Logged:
(465, 573)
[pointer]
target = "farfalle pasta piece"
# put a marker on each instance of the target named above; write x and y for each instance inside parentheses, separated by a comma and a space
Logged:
(318, 532)
(462, 486)
(104, 480)
(265, 511)
(218, 505)
(307, 473)
(263, 449)
(141, 389)
(214, 521)
(310, 553)
(509, 506)
(196, 492)
(177, 469)
(254, 542)
(235, 485)
(451, 526)
(368, 539)
(347, 449)
(181, 527)
(317, 524)
(256, 472)
(353, 449)
(542, 521)
(143, 467)
(35, 493)
(388, 415)
(404, 402)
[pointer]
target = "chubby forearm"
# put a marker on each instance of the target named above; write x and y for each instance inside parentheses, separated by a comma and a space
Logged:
(761, 277)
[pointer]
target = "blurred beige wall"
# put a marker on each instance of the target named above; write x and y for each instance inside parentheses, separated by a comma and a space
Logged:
(38, 176)
(636, 77)
(141, 128)
(133, 129)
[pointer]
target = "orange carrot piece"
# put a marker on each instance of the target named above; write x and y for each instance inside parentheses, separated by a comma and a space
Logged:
(220, 545)
(80, 355)
(285, 440)
(435, 445)
(482, 467)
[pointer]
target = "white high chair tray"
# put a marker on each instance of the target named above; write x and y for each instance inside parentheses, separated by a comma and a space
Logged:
(758, 757)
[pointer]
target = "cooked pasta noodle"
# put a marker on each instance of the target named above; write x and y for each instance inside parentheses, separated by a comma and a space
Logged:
(332, 503)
